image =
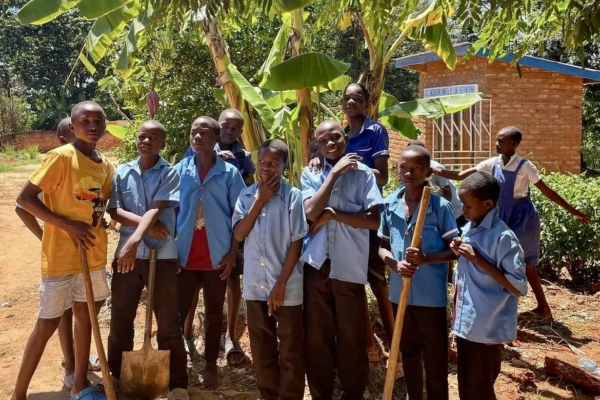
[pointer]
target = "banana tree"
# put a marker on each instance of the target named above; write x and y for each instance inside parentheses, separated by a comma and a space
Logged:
(385, 25)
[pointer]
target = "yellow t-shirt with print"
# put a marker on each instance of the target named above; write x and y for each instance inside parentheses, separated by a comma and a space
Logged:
(76, 188)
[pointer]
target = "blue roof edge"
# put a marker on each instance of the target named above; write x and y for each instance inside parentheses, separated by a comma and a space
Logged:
(526, 61)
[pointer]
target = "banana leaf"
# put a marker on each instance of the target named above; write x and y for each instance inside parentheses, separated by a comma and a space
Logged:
(304, 71)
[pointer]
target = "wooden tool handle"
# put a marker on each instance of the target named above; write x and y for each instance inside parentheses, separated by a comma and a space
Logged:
(150, 301)
(390, 377)
(89, 293)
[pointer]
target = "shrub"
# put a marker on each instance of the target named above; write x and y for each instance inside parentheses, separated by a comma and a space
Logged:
(15, 118)
(565, 242)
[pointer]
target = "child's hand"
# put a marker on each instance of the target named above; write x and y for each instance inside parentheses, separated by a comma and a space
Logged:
(314, 164)
(583, 218)
(80, 234)
(346, 163)
(454, 245)
(468, 252)
(406, 269)
(266, 190)
(229, 262)
(127, 255)
(158, 230)
(327, 215)
(415, 256)
(276, 297)
(435, 170)
(225, 155)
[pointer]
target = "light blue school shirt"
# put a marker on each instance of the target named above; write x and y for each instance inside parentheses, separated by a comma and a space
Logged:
(441, 182)
(347, 247)
(428, 286)
(485, 311)
(281, 221)
(135, 191)
(219, 192)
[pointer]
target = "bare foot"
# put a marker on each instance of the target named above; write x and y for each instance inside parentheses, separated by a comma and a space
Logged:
(543, 312)
(211, 376)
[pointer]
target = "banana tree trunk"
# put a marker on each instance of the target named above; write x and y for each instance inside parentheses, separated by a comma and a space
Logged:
(305, 115)
(373, 79)
(220, 54)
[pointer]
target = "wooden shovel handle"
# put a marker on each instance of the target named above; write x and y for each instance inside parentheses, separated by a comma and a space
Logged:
(150, 301)
(390, 377)
(89, 293)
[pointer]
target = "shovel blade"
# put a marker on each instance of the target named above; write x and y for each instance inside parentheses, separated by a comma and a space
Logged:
(145, 373)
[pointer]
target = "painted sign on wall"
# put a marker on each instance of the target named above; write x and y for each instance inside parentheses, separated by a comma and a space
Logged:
(448, 90)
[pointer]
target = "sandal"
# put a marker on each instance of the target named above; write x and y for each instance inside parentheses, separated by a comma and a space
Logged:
(190, 348)
(233, 347)
(93, 363)
(178, 394)
(69, 380)
(373, 353)
(89, 393)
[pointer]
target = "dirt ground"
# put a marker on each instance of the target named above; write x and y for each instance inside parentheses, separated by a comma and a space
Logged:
(577, 323)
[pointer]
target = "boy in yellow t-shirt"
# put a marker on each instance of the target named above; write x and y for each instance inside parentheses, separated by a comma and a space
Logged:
(76, 180)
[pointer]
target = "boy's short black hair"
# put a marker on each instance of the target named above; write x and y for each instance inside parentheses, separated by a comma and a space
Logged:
(420, 150)
(156, 125)
(237, 113)
(513, 132)
(77, 106)
(63, 127)
(416, 143)
(364, 90)
(278, 146)
(213, 125)
(483, 186)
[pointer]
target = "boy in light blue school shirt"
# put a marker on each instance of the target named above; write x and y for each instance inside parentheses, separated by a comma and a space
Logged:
(424, 340)
(269, 216)
(489, 280)
(144, 196)
(343, 199)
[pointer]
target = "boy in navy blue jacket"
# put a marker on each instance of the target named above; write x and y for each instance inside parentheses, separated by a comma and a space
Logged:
(489, 280)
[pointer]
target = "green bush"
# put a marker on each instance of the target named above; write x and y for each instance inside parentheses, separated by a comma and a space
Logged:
(565, 242)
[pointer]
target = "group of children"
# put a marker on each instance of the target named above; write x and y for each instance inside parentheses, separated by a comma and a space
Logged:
(305, 259)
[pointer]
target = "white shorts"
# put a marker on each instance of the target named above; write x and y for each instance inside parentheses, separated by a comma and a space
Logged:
(57, 293)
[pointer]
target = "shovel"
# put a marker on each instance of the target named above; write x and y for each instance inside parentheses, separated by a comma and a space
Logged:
(403, 301)
(145, 372)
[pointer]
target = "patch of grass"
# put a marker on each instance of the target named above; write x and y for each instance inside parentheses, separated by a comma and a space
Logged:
(11, 158)
(6, 167)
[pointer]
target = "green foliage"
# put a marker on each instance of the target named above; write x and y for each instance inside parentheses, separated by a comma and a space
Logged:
(11, 158)
(37, 59)
(564, 241)
(15, 118)
(519, 26)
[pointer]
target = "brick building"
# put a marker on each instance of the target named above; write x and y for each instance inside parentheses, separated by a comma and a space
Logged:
(545, 103)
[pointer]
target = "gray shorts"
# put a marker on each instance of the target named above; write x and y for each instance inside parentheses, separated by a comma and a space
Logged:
(57, 293)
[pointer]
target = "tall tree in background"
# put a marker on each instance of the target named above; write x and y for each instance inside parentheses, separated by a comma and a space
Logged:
(39, 58)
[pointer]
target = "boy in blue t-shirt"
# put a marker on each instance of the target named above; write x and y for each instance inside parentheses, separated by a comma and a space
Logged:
(489, 280)
(424, 340)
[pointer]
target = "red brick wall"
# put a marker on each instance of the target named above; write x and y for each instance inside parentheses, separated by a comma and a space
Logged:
(47, 140)
(546, 106)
